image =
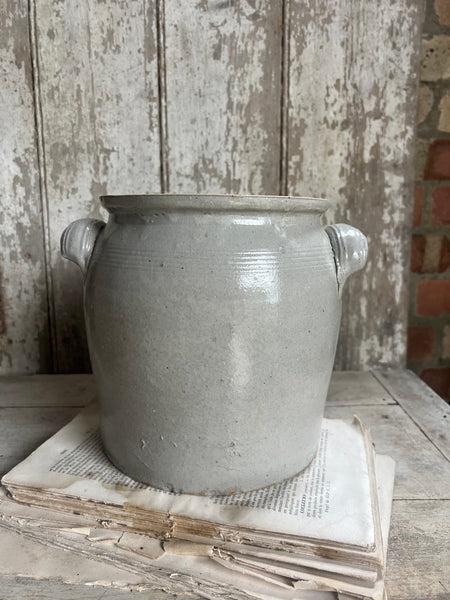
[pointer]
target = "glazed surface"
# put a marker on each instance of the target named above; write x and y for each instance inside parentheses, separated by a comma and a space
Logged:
(212, 338)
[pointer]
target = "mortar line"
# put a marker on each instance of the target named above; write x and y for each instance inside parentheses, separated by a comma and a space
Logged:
(41, 159)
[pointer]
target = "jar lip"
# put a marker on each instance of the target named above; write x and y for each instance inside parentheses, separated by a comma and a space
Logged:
(213, 203)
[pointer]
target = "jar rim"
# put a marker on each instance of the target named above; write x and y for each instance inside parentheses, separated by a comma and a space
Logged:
(213, 203)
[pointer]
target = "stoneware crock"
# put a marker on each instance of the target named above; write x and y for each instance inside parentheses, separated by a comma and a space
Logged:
(212, 324)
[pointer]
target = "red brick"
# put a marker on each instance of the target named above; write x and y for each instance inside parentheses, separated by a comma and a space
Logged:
(442, 8)
(436, 257)
(417, 253)
(438, 161)
(420, 343)
(440, 213)
(430, 253)
(433, 298)
(438, 380)
(418, 204)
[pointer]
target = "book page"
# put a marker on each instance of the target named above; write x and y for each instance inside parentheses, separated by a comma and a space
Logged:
(355, 582)
(330, 500)
(81, 554)
(46, 523)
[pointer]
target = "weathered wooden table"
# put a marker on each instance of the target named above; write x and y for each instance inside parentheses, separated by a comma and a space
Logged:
(407, 421)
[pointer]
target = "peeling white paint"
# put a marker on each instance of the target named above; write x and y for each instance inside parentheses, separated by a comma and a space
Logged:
(349, 90)
(24, 342)
(99, 88)
(223, 96)
(351, 125)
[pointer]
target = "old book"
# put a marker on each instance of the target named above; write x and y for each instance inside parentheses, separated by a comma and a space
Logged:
(37, 551)
(329, 511)
(188, 566)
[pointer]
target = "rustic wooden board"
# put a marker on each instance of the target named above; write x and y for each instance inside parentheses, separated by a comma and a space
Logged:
(22, 430)
(422, 471)
(418, 554)
(46, 390)
(354, 388)
(223, 78)
(309, 97)
(419, 550)
(352, 78)
(347, 388)
(24, 335)
(99, 94)
(428, 411)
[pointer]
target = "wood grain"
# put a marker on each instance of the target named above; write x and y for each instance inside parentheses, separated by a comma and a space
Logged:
(421, 470)
(351, 81)
(347, 388)
(99, 93)
(24, 333)
(31, 391)
(418, 555)
(424, 406)
(24, 429)
(312, 98)
(223, 74)
(356, 388)
(418, 551)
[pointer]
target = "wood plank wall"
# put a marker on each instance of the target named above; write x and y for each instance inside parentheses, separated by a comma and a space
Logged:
(306, 97)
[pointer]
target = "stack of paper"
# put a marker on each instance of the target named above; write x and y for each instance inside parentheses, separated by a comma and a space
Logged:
(322, 530)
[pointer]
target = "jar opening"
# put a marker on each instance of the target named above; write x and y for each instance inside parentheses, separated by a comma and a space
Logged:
(213, 203)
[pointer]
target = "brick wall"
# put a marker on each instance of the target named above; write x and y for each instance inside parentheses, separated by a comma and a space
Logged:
(429, 314)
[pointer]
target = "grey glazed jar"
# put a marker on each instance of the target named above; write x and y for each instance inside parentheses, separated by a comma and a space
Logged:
(212, 324)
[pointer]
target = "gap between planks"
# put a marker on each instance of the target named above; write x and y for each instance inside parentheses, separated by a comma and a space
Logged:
(284, 103)
(416, 399)
(162, 95)
(41, 159)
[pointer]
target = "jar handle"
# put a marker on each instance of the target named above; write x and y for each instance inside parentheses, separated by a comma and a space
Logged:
(78, 241)
(349, 248)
